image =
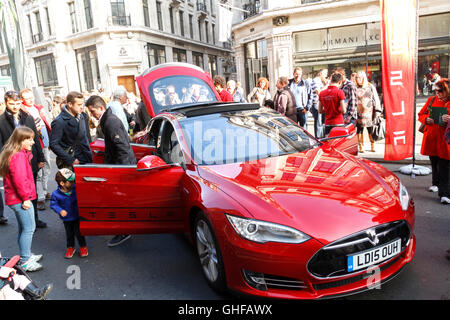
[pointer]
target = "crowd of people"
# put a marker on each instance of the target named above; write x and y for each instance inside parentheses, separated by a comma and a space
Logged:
(29, 132)
(66, 126)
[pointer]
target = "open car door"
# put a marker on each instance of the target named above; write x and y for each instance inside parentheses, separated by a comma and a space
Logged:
(118, 199)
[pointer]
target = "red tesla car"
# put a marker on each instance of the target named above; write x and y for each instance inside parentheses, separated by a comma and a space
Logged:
(271, 211)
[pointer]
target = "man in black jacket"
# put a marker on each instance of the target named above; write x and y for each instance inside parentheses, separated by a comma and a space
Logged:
(69, 131)
(9, 120)
(117, 144)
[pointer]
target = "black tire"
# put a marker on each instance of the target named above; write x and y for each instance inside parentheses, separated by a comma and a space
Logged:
(208, 253)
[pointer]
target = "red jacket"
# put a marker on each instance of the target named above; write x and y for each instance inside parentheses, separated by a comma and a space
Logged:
(433, 143)
(19, 182)
(43, 117)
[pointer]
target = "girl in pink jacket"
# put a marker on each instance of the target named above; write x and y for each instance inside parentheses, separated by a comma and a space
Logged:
(20, 190)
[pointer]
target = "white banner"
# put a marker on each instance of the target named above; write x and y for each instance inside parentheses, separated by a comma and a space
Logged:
(225, 23)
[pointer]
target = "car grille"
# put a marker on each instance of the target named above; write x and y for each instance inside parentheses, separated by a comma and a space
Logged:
(331, 260)
(263, 281)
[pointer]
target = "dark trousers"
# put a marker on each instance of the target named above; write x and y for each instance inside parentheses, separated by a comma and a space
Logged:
(302, 118)
(440, 175)
(2, 206)
(72, 231)
(34, 202)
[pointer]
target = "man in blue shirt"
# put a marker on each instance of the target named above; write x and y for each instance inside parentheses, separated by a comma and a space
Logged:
(303, 96)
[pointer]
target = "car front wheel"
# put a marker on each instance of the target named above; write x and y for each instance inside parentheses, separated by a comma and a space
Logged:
(209, 254)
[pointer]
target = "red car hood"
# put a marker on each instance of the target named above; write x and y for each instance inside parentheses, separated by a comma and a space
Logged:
(322, 192)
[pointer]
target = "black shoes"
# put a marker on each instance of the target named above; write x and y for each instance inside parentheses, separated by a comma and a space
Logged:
(41, 224)
(118, 240)
(3, 220)
(36, 293)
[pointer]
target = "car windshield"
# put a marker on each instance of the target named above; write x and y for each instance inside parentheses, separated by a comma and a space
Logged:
(175, 91)
(240, 136)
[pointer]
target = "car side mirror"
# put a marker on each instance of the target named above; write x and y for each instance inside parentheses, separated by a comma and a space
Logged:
(150, 162)
(340, 132)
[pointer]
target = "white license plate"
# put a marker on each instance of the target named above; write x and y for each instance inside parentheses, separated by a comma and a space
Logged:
(373, 256)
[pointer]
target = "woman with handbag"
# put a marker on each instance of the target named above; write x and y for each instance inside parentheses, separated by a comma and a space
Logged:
(433, 143)
(367, 103)
(260, 93)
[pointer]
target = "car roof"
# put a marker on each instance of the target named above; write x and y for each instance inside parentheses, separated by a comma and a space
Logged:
(201, 109)
(171, 64)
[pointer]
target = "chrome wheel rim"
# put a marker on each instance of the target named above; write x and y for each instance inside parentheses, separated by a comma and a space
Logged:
(207, 251)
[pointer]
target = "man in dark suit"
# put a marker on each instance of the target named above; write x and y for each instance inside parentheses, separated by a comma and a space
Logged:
(117, 144)
(69, 131)
(13, 117)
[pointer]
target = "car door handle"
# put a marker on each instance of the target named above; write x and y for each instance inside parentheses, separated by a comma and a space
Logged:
(99, 151)
(94, 179)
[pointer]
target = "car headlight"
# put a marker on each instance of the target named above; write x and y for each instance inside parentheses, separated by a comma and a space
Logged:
(404, 197)
(262, 231)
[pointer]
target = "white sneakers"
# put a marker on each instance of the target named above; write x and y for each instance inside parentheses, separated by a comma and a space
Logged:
(444, 200)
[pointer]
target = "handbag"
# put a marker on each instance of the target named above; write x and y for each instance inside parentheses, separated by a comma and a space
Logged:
(379, 129)
(422, 126)
(70, 150)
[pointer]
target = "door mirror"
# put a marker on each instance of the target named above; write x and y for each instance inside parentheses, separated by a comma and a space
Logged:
(150, 162)
(340, 132)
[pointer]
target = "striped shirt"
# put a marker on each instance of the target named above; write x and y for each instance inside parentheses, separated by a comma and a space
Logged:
(349, 89)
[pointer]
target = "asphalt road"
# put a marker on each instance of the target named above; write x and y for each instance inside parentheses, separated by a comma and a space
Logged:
(154, 267)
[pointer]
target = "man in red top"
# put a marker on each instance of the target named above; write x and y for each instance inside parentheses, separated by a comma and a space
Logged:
(332, 103)
(221, 87)
(44, 128)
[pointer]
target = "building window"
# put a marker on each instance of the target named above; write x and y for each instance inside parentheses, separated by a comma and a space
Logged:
(212, 62)
(31, 27)
(181, 13)
(119, 16)
(206, 32)
(156, 54)
(179, 55)
(49, 26)
(73, 17)
(191, 28)
(145, 9)
(5, 70)
(37, 15)
(159, 15)
(172, 26)
(46, 71)
(214, 33)
(88, 70)
(200, 29)
(2, 46)
(197, 59)
(88, 14)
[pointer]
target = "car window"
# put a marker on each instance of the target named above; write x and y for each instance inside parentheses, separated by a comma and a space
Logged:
(240, 136)
(153, 131)
(179, 90)
(170, 149)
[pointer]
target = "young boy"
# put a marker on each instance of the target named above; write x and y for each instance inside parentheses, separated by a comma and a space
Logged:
(64, 203)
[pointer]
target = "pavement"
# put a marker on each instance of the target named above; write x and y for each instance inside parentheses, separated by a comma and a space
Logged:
(378, 155)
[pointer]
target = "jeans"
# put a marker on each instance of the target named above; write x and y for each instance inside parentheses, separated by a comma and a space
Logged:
(25, 221)
(302, 118)
(319, 122)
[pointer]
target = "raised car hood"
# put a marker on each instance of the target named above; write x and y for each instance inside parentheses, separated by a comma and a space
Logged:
(322, 192)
